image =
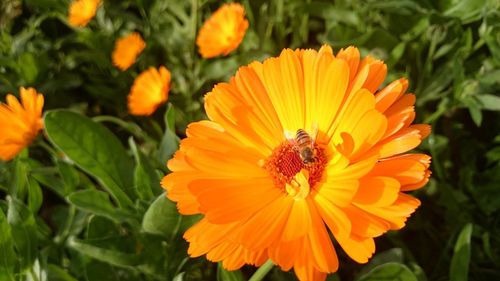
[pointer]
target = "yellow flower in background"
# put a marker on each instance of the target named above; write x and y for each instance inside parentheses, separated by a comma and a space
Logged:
(150, 90)
(297, 149)
(127, 49)
(19, 122)
(223, 31)
(82, 11)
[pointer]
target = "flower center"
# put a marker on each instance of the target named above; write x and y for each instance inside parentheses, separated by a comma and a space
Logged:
(292, 171)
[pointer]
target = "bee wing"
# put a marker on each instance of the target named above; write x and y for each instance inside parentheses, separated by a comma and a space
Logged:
(314, 133)
(290, 136)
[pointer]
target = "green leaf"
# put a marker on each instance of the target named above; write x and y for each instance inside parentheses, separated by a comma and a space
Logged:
(35, 196)
(7, 256)
(391, 255)
(466, 10)
(224, 275)
(47, 179)
(69, 175)
(474, 108)
(28, 67)
(55, 273)
(489, 102)
(179, 277)
(459, 268)
(22, 168)
(170, 141)
(94, 149)
(105, 255)
(145, 178)
(162, 218)
(94, 272)
(98, 203)
(389, 271)
(24, 231)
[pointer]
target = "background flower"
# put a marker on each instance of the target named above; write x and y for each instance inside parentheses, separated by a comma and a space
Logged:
(127, 49)
(259, 196)
(82, 11)
(223, 32)
(20, 122)
(150, 90)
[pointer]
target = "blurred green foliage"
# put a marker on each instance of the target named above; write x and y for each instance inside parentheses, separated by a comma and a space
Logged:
(67, 214)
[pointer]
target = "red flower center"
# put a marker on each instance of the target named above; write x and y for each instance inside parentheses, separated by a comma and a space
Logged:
(285, 162)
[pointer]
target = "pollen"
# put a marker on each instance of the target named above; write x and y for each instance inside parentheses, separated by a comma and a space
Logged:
(285, 163)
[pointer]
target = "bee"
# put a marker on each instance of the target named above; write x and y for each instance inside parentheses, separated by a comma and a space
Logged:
(304, 145)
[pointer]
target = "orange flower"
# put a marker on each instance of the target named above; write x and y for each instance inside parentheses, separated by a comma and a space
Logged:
(127, 49)
(19, 124)
(297, 148)
(82, 11)
(223, 32)
(149, 91)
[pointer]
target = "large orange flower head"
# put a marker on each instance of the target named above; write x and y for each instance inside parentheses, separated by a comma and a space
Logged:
(19, 122)
(127, 49)
(223, 32)
(82, 11)
(299, 147)
(150, 90)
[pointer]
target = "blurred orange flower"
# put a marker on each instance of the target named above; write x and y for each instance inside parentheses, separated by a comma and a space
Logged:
(150, 90)
(127, 49)
(298, 148)
(19, 123)
(223, 31)
(82, 11)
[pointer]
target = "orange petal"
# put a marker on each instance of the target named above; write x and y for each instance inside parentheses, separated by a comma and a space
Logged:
(377, 191)
(353, 171)
(358, 248)
(403, 141)
(284, 81)
(266, 226)
(177, 191)
(227, 200)
(365, 224)
(334, 217)
(299, 221)
(242, 121)
(285, 253)
(326, 90)
(367, 132)
(398, 121)
(405, 101)
(360, 103)
(205, 236)
(306, 272)
(339, 193)
(319, 243)
(397, 213)
(409, 169)
(351, 56)
(390, 93)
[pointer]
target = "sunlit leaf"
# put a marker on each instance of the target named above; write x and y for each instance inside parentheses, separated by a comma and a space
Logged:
(95, 149)
(162, 217)
(225, 275)
(8, 256)
(459, 268)
(105, 255)
(170, 141)
(389, 271)
(98, 203)
(24, 233)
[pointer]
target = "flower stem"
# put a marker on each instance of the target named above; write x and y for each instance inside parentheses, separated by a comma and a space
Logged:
(262, 271)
